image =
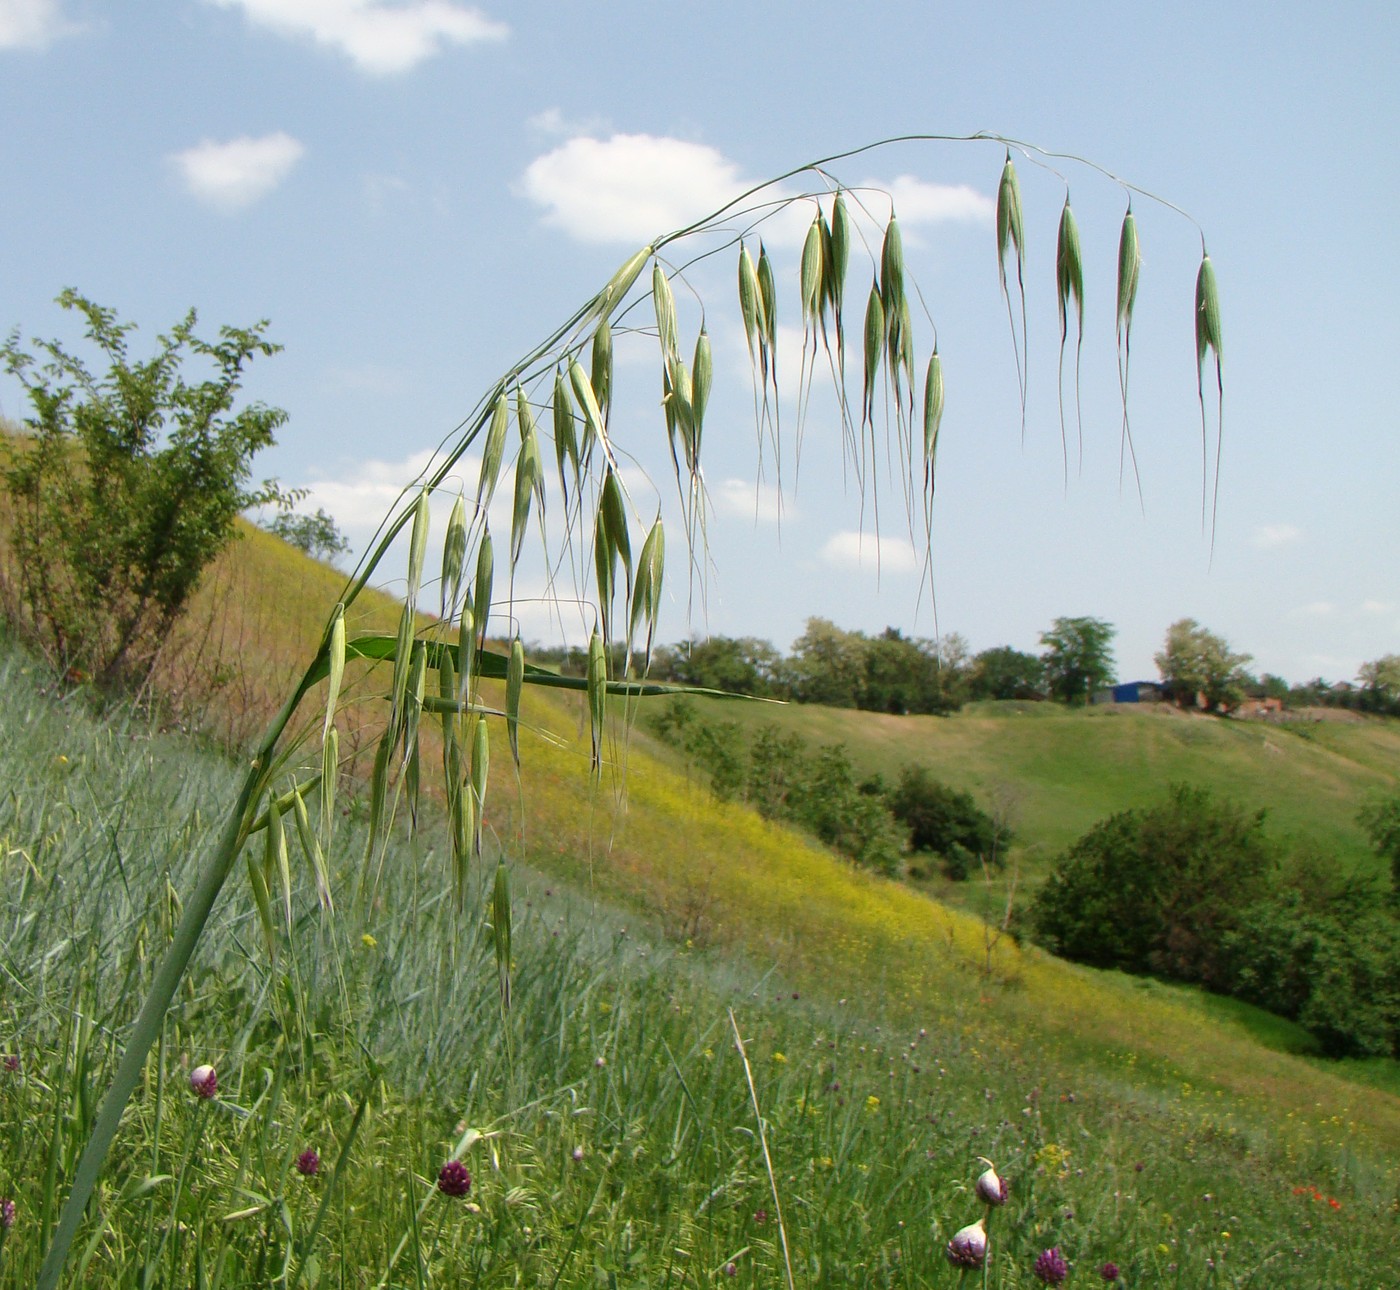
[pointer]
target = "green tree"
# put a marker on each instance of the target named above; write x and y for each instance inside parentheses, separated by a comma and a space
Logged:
(1156, 889)
(126, 486)
(1196, 662)
(1078, 657)
(828, 665)
(316, 535)
(1006, 673)
(1380, 684)
(742, 665)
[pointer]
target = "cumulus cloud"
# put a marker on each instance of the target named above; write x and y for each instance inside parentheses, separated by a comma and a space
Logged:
(629, 187)
(853, 550)
(33, 24)
(1268, 537)
(744, 499)
(917, 201)
(379, 37)
(232, 175)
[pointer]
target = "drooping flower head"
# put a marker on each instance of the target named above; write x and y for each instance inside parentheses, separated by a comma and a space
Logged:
(968, 1248)
(204, 1081)
(453, 1179)
(1050, 1267)
(309, 1163)
(991, 1189)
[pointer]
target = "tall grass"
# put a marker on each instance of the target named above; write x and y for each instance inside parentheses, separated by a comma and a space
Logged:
(605, 1119)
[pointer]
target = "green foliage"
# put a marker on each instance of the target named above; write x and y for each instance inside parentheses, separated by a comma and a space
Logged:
(126, 486)
(1191, 890)
(316, 535)
(828, 665)
(1195, 662)
(831, 805)
(1006, 673)
(1078, 657)
(1380, 684)
(745, 665)
(1157, 889)
(1381, 821)
(944, 822)
(1326, 953)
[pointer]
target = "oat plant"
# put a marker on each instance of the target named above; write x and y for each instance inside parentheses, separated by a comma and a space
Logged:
(550, 421)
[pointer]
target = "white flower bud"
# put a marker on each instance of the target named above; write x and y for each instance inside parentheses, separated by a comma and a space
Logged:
(968, 1248)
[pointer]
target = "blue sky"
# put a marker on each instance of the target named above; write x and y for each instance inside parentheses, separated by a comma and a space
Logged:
(415, 193)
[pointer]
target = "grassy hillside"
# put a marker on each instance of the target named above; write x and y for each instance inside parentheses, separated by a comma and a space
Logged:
(1065, 769)
(890, 1044)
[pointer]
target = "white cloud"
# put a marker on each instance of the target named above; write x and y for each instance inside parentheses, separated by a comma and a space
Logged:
(232, 175)
(33, 24)
(1316, 609)
(1378, 607)
(916, 201)
(745, 499)
(360, 499)
(379, 37)
(1268, 537)
(629, 187)
(852, 550)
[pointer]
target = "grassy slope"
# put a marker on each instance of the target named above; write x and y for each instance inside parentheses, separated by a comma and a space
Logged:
(723, 877)
(1142, 1058)
(1068, 769)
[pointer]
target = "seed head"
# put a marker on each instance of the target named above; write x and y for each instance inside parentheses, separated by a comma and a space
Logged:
(968, 1248)
(1050, 1267)
(991, 1190)
(204, 1081)
(309, 1163)
(453, 1179)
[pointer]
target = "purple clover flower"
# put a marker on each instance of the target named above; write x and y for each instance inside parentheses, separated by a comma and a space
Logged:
(1109, 1272)
(1050, 1267)
(7, 1214)
(309, 1163)
(453, 1179)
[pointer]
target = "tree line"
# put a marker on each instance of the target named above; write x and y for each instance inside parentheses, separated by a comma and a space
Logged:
(899, 674)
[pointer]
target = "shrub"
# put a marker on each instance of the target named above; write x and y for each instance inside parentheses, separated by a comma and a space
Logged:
(944, 822)
(126, 487)
(1157, 890)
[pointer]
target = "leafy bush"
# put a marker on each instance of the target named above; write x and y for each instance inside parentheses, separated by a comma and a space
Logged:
(126, 487)
(1329, 960)
(945, 822)
(1157, 890)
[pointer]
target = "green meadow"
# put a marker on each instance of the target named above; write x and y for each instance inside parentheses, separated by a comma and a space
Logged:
(725, 1057)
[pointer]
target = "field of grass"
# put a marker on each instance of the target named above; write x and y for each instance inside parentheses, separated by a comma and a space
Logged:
(615, 1132)
(1063, 770)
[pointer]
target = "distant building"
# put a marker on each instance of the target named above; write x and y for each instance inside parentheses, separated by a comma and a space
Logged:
(1130, 692)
